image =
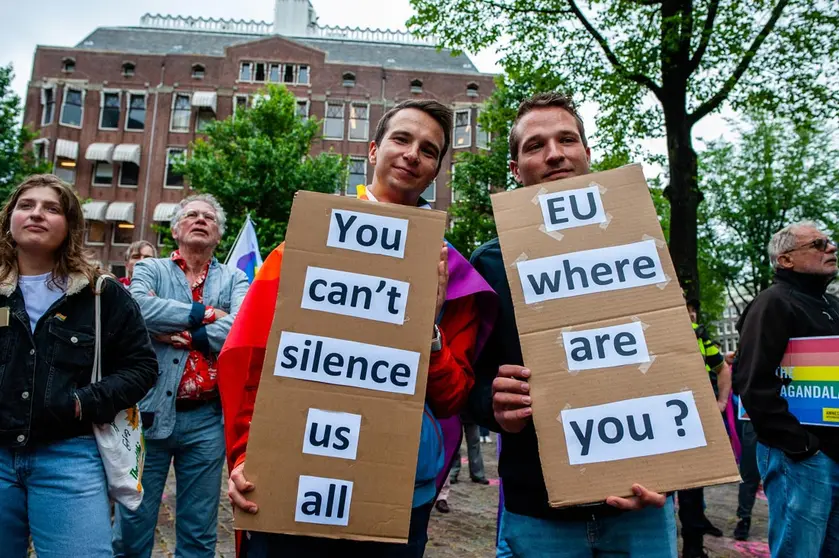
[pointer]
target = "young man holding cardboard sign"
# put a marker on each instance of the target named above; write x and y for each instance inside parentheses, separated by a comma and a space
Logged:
(547, 143)
(411, 140)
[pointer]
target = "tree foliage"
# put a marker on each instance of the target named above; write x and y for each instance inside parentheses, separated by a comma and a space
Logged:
(17, 160)
(256, 160)
(657, 67)
(779, 173)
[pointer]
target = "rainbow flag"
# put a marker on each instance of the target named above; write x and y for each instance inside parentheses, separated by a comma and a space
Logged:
(810, 374)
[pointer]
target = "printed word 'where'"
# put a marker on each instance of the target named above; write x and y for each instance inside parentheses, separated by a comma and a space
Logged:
(368, 233)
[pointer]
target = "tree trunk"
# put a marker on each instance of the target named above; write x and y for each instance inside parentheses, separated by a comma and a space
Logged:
(683, 193)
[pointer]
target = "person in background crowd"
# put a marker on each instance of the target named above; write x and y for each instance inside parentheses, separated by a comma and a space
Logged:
(189, 301)
(410, 143)
(748, 466)
(799, 464)
(548, 142)
(485, 439)
(442, 503)
(695, 524)
(473, 450)
(52, 482)
(139, 250)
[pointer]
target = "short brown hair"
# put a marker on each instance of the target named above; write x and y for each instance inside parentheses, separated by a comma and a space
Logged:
(138, 245)
(441, 114)
(544, 100)
(70, 256)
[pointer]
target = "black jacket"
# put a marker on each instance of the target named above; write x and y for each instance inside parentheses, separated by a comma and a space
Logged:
(42, 372)
(519, 465)
(796, 305)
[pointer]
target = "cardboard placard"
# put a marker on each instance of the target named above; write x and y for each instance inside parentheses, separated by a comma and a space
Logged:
(620, 392)
(335, 431)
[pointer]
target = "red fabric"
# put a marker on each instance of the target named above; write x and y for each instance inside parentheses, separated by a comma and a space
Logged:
(124, 280)
(199, 380)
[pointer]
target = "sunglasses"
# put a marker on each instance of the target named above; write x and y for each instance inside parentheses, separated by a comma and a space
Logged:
(820, 244)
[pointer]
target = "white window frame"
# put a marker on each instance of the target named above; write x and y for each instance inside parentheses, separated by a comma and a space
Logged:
(119, 180)
(416, 89)
(58, 170)
(239, 75)
(87, 240)
(468, 129)
(160, 242)
(479, 131)
(326, 119)
(293, 74)
(131, 95)
(433, 187)
(46, 143)
(44, 89)
(166, 168)
(279, 67)
(114, 228)
(236, 102)
(67, 88)
(308, 74)
(264, 72)
(308, 106)
(129, 69)
(198, 112)
(366, 122)
(175, 96)
(198, 68)
(349, 184)
(116, 92)
(93, 182)
(348, 79)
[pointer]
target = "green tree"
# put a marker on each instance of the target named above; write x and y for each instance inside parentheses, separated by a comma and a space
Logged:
(657, 67)
(17, 160)
(256, 160)
(778, 173)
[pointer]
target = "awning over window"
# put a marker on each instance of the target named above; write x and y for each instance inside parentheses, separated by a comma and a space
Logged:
(100, 152)
(66, 148)
(94, 210)
(163, 212)
(120, 211)
(127, 152)
(206, 99)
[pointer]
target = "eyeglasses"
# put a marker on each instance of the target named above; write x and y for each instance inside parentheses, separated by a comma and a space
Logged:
(820, 244)
(193, 214)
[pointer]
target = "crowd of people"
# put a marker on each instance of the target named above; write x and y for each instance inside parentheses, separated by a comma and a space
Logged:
(185, 338)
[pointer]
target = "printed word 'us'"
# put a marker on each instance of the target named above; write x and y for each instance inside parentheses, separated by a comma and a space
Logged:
(572, 208)
(368, 233)
(605, 347)
(324, 501)
(355, 294)
(332, 434)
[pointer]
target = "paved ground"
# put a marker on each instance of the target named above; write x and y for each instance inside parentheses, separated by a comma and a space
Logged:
(469, 530)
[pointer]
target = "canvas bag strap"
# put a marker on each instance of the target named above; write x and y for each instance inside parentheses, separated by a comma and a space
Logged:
(96, 375)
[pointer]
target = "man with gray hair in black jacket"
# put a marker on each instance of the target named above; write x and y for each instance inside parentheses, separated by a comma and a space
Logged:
(799, 464)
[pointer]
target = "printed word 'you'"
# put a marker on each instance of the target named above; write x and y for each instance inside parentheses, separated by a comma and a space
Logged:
(368, 233)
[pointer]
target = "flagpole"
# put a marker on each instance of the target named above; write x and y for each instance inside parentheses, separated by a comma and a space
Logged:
(232, 246)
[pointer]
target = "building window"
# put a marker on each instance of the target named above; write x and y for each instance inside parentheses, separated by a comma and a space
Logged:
(288, 73)
(246, 71)
(65, 169)
(303, 108)
(416, 86)
(173, 179)
(161, 238)
(349, 79)
(103, 173)
(128, 69)
(48, 100)
(41, 147)
(129, 175)
(110, 108)
(462, 128)
(136, 112)
(430, 193)
(274, 73)
(259, 72)
(181, 111)
(240, 102)
(198, 71)
(482, 137)
(68, 65)
(303, 75)
(333, 124)
(72, 109)
(94, 232)
(472, 90)
(203, 118)
(359, 121)
(123, 234)
(118, 269)
(357, 175)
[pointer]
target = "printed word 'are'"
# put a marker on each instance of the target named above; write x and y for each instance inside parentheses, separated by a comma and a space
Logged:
(606, 346)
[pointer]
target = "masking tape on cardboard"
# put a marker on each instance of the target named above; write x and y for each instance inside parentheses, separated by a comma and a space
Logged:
(658, 242)
(605, 223)
(644, 367)
(556, 235)
(535, 200)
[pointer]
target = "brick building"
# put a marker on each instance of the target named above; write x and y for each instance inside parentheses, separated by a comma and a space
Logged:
(114, 109)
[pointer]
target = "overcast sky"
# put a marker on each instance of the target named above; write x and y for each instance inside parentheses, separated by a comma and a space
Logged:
(26, 24)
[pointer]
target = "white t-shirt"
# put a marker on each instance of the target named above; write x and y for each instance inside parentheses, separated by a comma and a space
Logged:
(38, 295)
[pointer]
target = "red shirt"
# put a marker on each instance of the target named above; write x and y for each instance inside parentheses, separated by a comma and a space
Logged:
(199, 380)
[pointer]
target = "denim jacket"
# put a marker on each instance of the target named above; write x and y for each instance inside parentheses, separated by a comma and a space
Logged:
(160, 288)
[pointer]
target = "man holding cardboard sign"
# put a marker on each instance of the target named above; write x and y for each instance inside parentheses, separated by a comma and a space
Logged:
(411, 140)
(547, 143)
